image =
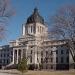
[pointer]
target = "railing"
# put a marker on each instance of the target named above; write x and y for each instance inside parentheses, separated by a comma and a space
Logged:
(9, 65)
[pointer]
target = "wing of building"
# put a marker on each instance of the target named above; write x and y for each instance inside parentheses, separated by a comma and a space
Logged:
(42, 53)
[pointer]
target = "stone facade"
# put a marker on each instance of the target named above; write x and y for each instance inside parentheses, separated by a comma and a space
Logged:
(42, 53)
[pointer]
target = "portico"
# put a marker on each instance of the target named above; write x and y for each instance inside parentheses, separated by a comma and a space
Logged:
(18, 54)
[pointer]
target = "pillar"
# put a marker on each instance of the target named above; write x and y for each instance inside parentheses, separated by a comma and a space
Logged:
(17, 57)
(13, 55)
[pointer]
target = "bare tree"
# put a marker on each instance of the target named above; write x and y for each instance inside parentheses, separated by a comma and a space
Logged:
(5, 14)
(64, 26)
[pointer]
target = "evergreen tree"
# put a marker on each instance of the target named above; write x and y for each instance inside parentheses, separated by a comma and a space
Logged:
(22, 65)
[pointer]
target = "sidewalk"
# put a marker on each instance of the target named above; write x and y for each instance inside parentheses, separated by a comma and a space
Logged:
(13, 71)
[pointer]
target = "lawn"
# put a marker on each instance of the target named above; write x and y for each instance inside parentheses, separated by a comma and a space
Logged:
(71, 72)
(16, 72)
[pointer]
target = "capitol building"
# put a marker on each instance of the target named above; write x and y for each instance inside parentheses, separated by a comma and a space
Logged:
(35, 45)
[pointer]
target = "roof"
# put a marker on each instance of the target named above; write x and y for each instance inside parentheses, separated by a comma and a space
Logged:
(35, 17)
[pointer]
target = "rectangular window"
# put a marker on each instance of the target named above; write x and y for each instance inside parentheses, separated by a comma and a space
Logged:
(67, 59)
(31, 51)
(56, 59)
(61, 45)
(56, 51)
(7, 61)
(46, 60)
(37, 59)
(51, 53)
(4, 61)
(8, 55)
(46, 53)
(62, 60)
(31, 59)
(4, 55)
(51, 66)
(41, 53)
(0, 61)
(1, 55)
(62, 52)
(41, 60)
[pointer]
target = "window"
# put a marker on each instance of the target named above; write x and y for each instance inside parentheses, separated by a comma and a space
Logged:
(51, 53)
(4, 61)
(62, 52)
(31, 52)
(8, 55)
(61, 59)
(67, 59)
(37, 59)
(1, 55)
(51, 46)
(46, 60)
(31, 46)
(41, 60)
(51, 66)
(4, 55)
(56, 51)
(0, 61)
(19, 44)
(46, 53)
(7, 61)
(51, 59)
(61, 45)
(56, 59)
(31, 59)
(41, 53)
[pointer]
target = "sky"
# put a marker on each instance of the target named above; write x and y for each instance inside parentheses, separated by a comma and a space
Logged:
(24, 8)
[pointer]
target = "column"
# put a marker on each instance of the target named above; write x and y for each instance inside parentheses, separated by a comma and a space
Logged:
(13, 56)
(17, 57)
(23, 31)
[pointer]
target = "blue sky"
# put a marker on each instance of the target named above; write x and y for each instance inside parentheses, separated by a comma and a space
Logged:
(24, 9)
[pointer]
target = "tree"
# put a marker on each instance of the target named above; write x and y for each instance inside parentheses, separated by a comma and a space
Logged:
(64, 26)
(5, 14)
(22, 65)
